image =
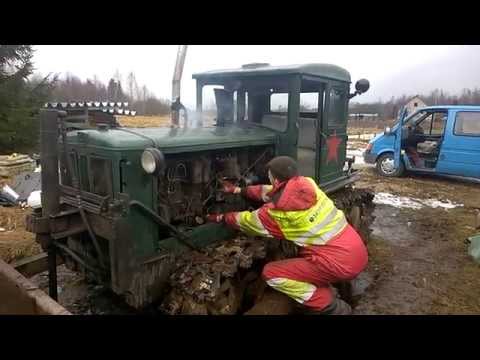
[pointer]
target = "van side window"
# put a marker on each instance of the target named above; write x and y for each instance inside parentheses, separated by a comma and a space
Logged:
(467, 123)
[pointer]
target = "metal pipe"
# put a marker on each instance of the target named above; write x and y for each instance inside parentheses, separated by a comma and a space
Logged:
(50, 185)
(52, 272)
(159, 220)
(78, 258)
(101, 257)
(177, 77)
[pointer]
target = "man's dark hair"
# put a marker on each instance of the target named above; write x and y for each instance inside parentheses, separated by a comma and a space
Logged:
(283, 167)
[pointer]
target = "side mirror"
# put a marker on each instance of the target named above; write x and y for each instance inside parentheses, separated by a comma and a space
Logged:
(388, 130)
(362, 86)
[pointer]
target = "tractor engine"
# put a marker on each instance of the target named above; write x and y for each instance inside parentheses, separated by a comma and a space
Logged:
(190, 186)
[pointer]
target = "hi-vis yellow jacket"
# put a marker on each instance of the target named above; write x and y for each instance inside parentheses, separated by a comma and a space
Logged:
(296, 210)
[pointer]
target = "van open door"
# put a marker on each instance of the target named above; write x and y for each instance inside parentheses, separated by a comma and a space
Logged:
(397, 148)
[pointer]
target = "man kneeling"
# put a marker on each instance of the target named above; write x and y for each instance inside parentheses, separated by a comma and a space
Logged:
(296, 209)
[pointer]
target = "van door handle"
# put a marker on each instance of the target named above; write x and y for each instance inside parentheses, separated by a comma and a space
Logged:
(442, 157)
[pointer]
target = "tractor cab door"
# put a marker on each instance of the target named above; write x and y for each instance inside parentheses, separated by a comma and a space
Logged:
(397, 148)
(322, 128)
(333, 133)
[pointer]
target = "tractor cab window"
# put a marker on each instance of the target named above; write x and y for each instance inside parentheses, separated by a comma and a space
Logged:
(276, 117)
(210, 104)
(279, 103)
(337, 107)
(308, 125)
(225, 106)
(259, 101)
(309, 102)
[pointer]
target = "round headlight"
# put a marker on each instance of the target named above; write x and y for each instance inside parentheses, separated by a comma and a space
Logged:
(152, 161)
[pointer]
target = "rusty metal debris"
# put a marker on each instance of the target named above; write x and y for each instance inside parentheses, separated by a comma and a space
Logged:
(209, 282)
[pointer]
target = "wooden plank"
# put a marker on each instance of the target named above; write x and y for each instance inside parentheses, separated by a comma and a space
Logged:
(19, 296)
(33, 264)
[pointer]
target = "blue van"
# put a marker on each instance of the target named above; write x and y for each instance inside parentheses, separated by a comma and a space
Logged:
(442, 140)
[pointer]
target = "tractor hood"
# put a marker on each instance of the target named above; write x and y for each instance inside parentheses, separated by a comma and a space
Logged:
(171, 140)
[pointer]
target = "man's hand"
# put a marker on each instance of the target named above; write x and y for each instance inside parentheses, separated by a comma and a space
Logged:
(230, 188)
(216, 218)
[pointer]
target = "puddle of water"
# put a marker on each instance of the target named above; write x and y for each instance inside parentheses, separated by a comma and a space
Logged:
(391, 227)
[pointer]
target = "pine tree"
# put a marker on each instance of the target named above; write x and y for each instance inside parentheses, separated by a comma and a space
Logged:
(20, 98)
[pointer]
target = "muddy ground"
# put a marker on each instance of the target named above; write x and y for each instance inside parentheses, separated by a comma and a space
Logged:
(418, 257)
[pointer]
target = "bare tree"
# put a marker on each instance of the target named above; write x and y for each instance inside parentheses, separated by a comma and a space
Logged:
(144, 98)
(132, 86)
(71, 88)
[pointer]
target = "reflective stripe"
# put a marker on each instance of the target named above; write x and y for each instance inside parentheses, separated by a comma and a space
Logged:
(320, 239)
(298, 290)
(250, 223)
(313, 226)
(342, 223)
(315, 230)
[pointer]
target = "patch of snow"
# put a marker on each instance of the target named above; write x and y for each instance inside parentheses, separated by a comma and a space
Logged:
(411, 203)
(358, 156)
(396, 201)
(444, 204)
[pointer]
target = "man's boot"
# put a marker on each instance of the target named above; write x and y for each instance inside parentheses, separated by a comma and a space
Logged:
(337, 307)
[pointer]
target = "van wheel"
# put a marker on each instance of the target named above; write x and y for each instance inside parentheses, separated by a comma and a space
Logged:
(385, 166)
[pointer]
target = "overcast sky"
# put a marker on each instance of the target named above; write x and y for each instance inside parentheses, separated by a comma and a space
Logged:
(392, 70)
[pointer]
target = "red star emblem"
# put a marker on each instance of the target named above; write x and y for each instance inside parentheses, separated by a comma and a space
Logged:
(332, 144)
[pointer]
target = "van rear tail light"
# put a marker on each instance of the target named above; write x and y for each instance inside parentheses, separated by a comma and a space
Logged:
(369, 147)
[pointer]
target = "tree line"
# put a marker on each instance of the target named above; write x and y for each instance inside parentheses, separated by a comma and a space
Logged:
(388, 110)
(23, 93)
(140, 98)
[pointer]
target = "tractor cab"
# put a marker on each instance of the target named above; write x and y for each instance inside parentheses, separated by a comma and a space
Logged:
(304, 105)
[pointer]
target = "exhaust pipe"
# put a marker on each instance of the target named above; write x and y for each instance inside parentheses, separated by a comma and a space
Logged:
(177, 77)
